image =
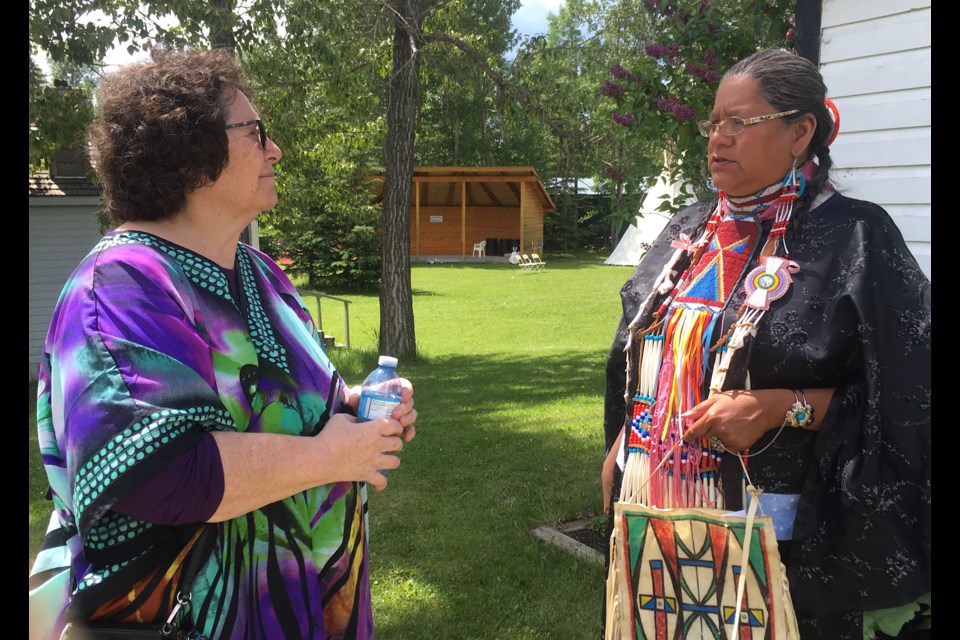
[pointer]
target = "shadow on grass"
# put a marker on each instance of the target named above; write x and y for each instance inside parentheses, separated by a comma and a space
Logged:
(505, 444)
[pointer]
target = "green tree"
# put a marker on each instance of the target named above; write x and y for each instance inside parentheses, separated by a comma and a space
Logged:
(305, 79)
(458, 99)
(77, 34)
(59, 110)
(563, 69)
(320, 87)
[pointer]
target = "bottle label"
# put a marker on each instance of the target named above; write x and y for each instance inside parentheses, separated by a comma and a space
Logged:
(376, 404)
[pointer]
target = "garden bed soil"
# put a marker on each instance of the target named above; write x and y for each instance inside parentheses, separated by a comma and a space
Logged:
(590, 537)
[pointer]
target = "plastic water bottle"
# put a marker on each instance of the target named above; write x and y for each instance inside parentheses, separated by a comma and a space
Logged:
(380, 392)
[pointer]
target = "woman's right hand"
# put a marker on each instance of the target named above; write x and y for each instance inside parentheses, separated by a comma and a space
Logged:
(359, 450)
(260, 468)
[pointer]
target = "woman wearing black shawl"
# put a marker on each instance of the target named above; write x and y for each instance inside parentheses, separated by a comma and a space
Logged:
(848, 343)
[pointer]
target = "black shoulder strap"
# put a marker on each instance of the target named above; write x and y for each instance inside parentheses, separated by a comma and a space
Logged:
(198, 555)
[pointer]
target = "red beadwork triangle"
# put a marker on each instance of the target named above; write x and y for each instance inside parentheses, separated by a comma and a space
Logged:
(722, 263)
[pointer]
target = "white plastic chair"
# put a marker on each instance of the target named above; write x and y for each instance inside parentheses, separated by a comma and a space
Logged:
(480, 249)
(536, 262)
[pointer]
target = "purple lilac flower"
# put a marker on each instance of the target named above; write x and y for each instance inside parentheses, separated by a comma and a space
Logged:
(704, 5)
(707, 75)
(710, 58)
(622, 118)
(611, 89)
(683, 112)
(619, 72)
(670, 104)
(667, 52)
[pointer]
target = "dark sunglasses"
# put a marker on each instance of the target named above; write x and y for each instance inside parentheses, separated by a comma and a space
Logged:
(260, 127)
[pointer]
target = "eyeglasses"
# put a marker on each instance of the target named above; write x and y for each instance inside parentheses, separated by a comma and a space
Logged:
(733, 125)
(260, 127)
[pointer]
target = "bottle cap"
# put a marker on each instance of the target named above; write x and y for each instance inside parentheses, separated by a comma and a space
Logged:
(388, 361)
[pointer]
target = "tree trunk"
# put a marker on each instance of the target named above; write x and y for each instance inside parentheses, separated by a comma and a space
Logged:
(397, 335)
(221, 28)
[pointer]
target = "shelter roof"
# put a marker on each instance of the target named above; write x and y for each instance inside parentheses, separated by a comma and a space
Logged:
(43, 184)
(69, 175)
(485, 186)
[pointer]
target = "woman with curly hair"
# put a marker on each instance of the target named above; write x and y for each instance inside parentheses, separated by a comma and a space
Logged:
(183, 387)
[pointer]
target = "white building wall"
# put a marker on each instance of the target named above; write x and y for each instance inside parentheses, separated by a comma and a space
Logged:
(62, 230)
(876, 62)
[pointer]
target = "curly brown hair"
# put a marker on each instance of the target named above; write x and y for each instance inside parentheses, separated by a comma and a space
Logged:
(159, 130)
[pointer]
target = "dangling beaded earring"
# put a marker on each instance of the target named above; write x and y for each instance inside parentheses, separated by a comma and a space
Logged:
(794, 184)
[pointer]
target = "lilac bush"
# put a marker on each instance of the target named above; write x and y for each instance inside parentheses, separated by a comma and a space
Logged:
(663, 90)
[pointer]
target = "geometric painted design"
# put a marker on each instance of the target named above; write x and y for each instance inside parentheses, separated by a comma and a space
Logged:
(718, 270)
(748, 617)
(682, 567)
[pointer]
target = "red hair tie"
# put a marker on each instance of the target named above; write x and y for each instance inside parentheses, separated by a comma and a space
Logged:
(835, 117)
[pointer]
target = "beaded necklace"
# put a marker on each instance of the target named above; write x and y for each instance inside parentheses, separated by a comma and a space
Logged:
(662, 469)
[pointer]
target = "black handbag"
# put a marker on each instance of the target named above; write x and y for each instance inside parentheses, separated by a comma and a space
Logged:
(173, 627)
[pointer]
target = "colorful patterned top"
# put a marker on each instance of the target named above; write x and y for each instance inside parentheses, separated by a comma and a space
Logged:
(147, 350)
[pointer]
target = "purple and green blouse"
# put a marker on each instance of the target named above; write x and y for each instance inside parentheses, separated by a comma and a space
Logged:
(148, 350)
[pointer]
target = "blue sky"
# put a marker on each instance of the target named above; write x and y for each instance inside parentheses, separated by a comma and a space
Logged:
(531, 17)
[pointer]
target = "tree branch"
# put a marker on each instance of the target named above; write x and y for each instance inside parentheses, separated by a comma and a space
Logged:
(504, 84)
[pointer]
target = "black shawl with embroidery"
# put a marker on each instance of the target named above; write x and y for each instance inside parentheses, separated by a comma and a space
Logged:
(857, 319)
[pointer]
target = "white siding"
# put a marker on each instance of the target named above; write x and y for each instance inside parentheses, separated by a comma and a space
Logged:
(62, 230)
(876, 62)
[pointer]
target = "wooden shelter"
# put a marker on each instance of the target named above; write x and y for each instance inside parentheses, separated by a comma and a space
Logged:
(454, 208)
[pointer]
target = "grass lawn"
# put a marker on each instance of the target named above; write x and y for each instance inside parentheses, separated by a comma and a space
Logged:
(509, 390)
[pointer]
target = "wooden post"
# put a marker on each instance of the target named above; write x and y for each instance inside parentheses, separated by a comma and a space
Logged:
(416, 196)
(523, 193)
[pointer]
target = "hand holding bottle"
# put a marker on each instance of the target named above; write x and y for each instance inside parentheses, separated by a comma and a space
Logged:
(402, 412)
(384, 396)
(359, 451)
(380, 392)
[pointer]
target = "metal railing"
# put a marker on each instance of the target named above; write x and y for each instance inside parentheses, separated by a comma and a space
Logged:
(346, 311)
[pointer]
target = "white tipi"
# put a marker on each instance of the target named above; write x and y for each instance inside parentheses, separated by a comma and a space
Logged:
(650, 222)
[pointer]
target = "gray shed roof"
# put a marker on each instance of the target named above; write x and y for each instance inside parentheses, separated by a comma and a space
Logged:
(43, 184)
